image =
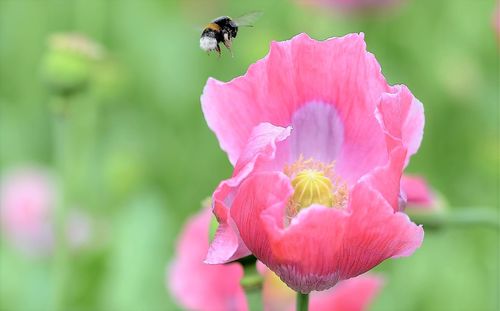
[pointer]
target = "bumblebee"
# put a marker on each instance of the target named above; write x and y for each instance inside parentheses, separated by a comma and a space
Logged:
(223, 30)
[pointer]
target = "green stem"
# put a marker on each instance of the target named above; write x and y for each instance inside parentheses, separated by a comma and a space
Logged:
(252, 280)
(463, 217)
(61, 256)
(302, 302)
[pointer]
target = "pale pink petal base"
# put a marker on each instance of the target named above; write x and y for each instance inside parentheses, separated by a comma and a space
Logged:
(317, 133)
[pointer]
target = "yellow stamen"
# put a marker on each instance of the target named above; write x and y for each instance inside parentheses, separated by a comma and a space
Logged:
(314, 183)
(312, 187)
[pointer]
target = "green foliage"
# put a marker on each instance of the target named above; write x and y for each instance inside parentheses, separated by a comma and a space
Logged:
(144, 158)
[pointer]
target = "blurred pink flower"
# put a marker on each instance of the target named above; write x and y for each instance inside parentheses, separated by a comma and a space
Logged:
(417, 191)
(351, 295)
(79, 229)
(27, 200)
(496, 20)
(319, 141)
(419, 197)
(353, 5)
(199, 286)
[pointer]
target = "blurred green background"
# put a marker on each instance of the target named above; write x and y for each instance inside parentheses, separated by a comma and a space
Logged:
(141, 157)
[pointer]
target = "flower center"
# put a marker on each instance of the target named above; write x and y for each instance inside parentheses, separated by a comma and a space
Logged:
(312, 187)
(314, 183)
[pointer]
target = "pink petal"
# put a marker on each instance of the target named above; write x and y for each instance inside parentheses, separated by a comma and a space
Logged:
(27, 202)
(322, 245)
(199, 286)
(417, 191)
(258, 156)
(351, 295)
(261, 196)
(386, 179)
(402, 117)
(337, 72)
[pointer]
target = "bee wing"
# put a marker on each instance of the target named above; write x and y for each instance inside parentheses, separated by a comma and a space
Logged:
(248, 19)
(197, 28)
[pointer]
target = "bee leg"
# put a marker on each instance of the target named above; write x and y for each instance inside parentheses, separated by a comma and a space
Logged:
(217, 48)
(227, 43)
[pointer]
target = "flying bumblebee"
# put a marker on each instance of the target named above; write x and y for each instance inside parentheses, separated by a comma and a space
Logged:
(223, 30)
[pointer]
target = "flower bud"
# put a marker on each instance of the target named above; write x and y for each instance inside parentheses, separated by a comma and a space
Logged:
(68, 64)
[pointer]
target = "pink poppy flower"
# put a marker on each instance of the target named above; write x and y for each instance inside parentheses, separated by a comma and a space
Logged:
(27, 200)
(351, 295)
(319, 141)
(353, 5)
(199, 286)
